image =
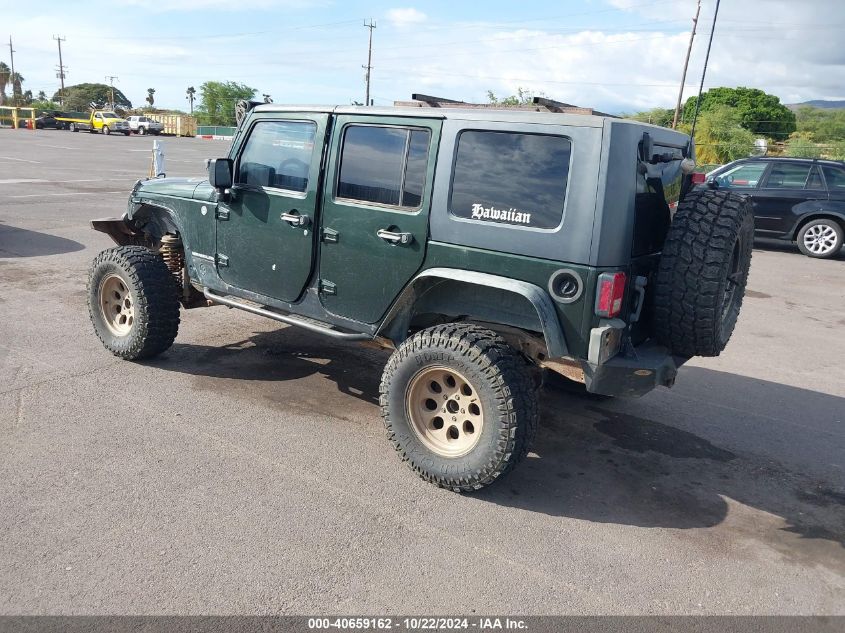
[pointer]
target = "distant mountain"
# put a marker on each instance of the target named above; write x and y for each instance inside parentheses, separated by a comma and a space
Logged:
(818, 103)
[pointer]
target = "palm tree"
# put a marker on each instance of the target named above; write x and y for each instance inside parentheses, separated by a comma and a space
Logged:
(150, 98)
(190, 92)
(5, 76)
(16, 81)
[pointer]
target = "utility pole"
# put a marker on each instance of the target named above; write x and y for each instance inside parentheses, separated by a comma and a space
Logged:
(686, 64)
(704, 71)
(61, 73)
(111, 79)
(369, 66)
(12, 56)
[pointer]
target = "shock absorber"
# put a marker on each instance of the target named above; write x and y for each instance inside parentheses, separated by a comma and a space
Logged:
(173, 255)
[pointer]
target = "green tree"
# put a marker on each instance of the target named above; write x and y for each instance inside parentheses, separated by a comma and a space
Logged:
(720, 137)
(759, 112)
(81, 96)
(190, 95)
(821, 125)
(799, 146)
(150, 97)
(836, 151)
(5, 77)
(523, 96)
(18, 97)
(43, 105)
(42, 96)
(218, 99)
(657, 116)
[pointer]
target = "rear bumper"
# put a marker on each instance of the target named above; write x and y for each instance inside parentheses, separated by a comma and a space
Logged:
(633, 374)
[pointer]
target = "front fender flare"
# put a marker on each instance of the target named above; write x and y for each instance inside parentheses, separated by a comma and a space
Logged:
(396, 322)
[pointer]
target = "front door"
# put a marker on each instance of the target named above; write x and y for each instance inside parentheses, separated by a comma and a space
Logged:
(265, 231)
(375, 211)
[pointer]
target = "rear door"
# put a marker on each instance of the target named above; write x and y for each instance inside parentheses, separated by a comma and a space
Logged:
(375, 211)
(788, 190)
(265, 232)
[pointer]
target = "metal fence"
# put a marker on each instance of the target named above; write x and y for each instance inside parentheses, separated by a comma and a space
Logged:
(215, 130)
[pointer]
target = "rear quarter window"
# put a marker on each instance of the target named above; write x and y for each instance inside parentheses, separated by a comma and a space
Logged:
(510, 178)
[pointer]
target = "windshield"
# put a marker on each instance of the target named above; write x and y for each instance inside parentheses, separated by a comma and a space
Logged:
(110, 115)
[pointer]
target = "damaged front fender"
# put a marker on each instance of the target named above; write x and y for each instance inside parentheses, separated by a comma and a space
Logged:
(121, 230)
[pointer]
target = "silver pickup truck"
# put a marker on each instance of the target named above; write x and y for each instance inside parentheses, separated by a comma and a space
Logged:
(145, 125)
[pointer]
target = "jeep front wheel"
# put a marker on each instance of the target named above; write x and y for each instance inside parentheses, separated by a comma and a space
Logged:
(459, 405)
(132, 302)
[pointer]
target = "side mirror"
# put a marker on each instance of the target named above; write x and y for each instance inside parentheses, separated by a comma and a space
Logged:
(713, 183)
(220, 173)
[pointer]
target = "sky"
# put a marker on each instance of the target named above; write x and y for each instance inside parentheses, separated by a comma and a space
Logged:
(611, 55)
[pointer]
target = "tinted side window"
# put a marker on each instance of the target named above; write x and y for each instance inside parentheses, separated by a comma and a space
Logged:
(383, 165)
(834, 177)
(815, 180)
(412, 190)
(278, 155)
(510, 178)
(787, 176)
(746, 176)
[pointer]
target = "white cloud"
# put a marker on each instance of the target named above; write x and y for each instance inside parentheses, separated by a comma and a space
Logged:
(406, 17)
(782, 47)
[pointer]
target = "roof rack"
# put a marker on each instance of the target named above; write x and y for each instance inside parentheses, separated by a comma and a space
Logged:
(538, 104)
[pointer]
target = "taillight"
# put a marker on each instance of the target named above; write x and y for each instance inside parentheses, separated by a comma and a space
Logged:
(611, 290)
(698, 178)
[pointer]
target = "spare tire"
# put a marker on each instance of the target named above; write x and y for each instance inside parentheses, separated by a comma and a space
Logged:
(702, 273)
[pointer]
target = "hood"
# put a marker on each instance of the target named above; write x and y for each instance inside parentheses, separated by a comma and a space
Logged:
(175, 187)
(205, 192)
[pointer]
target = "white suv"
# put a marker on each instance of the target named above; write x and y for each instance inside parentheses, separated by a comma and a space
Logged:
(144, 125)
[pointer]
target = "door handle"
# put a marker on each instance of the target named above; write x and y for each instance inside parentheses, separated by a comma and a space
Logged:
(294, 218)
(395, 237)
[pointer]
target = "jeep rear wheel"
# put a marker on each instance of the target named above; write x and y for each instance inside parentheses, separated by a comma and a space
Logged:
(459, 405)
(703, 272)
(132, 302)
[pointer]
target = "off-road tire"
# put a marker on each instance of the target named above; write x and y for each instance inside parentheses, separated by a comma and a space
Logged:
(154, 298)
(142, 130)
(504, 386)
(106, 130)
(825, 250)
(702, 273)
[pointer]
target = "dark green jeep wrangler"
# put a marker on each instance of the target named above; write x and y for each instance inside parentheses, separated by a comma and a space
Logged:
(483, 246)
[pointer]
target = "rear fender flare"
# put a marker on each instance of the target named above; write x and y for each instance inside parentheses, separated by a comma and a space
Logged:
(821, 214)
(433, 290)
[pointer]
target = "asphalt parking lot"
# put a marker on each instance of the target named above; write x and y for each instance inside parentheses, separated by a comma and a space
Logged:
(246, 470)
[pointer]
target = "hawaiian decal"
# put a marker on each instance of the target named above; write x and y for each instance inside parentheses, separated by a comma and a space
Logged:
(480, 212)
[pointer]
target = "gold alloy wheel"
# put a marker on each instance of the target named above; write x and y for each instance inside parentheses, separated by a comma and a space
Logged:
(445, 411)
(116, 305)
